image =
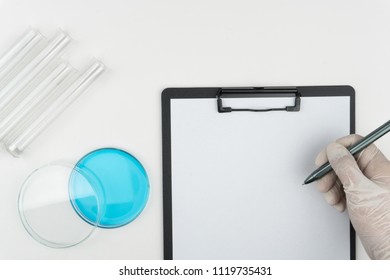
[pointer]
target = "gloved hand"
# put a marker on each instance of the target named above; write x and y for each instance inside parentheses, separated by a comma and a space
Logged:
(362, 184)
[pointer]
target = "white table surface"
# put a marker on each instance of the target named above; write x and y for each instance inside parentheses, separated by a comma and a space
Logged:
(150, 45)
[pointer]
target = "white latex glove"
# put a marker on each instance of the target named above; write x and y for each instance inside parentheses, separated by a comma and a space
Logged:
(362, 184)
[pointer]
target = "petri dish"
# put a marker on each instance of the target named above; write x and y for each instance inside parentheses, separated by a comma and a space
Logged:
(123, 187)
(46, 209)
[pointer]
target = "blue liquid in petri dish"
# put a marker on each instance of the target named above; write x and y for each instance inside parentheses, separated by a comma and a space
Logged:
(120, 183)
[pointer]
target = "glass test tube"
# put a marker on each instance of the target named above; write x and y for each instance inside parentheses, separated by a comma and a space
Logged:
(17, 144)
(18, 55)
(25, 76)
(30, 102)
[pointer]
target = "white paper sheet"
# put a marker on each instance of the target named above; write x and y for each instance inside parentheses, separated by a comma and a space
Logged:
(237, 180)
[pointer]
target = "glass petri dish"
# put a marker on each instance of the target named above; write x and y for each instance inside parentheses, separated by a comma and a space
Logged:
(123, 187)
(46, 209)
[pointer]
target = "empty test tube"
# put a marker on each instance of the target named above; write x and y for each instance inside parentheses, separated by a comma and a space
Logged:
(21, 139)
(24, 109)
(32, 69)
(19, 55)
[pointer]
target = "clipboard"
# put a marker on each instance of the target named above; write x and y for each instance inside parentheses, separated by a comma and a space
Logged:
(234, 160)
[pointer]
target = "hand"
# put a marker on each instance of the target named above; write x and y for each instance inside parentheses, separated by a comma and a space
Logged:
(362, 184)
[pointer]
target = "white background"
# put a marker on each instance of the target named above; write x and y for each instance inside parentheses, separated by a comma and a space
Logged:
(150, 45)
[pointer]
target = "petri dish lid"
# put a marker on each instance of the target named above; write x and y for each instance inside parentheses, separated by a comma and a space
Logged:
(123, 183)
(46, 208)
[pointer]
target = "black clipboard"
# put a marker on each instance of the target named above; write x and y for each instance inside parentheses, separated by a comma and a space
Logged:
(220, 95)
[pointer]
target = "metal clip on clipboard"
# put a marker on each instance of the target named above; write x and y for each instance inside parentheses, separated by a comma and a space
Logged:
(261, 92)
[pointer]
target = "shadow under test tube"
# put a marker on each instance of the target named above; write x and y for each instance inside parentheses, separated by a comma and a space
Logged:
(21, 139)
(25, 76)
(18, 55)
(23, 110)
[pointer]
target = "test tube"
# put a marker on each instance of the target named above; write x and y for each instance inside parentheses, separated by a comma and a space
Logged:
(32, 69)
(34, 98)
(18, 53)
(21, 139)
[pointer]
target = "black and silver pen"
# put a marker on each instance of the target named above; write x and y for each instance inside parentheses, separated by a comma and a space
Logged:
(354, 149)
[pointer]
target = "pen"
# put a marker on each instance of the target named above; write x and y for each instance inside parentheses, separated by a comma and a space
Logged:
(354, 149)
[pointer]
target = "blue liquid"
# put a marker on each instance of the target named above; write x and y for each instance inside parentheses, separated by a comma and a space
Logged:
(120, 183)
